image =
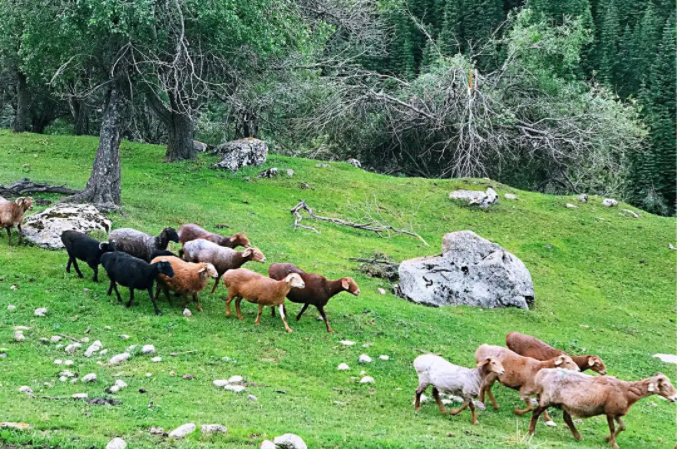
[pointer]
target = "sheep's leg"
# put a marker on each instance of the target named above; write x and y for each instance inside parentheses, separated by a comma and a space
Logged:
(303, 309)
(9, 237)
(534, 418)
(530, 406)
(473, 417)
(456, 411)
(419, 391)
(324, 317)
(150, 293)
(272, 311)
(68, 265)
(238, 301)
(196, 299)
(77, 268)
(216, 284)
(284, 319)
(570, 423)
(438, 399)
(165, 289)
(612, 432)
(95, 268)
(131, 297)
(548, 419)
(621, 425)
(258, 315)
(21, 233)
(113, 286)
(486, 388)
(228, 300)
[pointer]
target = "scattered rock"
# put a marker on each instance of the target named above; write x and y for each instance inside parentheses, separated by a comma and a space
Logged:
(68, 362)
(188, 377)
(156, 359)
(13, 287)
(252, 398)
(289, 172)
(343, 367)
(94, 347)
(304, 186)
(354, 162)
(44, 229)
(267, 444)
(213, 428)
(91, 377)
(381, 291)
(234, 388)
(672, 247)
(666, 358)
(187, 313)
(55, 339)
(384, 357)
(571, 206)
(367, 380)
(58, 362)
(347, 342)
(289, 441)
(103, 352)
(131, 348)
(11, 308)
(148, 350)
(235, 379)
(116, 443)
(156, 431)
(583, 197)
(182, 431)
(367, 345)
(71, 348)
(510, 196)
(471, 271)
(19, 336)
(21, 328)
(149, 374)
(124, 336)
(632, 213)
(220, 383)
(578, 422)
(482, 199)
(269, 173)
(322, 165)
(364, 358)
(198, 146)
(119, 358)
(44, 340)
(551, 423)
(26, 389)
(84, 339)
(609, 202)
(80, 396)
(241, 153)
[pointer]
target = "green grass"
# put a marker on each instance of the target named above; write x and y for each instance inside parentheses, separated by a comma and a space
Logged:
(606, 285)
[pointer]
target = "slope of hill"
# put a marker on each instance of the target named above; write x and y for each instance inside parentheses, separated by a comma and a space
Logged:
(604, 284)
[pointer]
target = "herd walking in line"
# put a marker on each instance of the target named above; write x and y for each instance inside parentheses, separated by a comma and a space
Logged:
(139, 261)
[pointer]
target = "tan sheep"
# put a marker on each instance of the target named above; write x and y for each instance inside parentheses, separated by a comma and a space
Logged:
(189, 279)
(264, 291)
(12, 214)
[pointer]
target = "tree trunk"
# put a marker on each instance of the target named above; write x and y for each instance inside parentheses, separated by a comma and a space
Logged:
(103, 188)
(80, 118)
(22, 104)
(38, 124)
(180, 138)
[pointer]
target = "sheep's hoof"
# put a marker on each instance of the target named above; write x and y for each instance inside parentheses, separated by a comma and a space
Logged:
(289, 331)
(476, 422)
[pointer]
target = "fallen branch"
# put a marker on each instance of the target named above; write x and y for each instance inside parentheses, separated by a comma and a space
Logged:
(26, 186)
(174, 354)
(72, 338)
(371, 225)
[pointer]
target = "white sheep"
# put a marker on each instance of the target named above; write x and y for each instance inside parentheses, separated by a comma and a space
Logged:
(452, 379)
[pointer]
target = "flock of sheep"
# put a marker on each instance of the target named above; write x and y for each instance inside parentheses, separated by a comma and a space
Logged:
(138, 261)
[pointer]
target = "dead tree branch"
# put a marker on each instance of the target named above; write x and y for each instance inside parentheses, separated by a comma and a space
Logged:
(25, 186)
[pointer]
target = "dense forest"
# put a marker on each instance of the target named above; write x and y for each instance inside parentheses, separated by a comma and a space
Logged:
(559, 96)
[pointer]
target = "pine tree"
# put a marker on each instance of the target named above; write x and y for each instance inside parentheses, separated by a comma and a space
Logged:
(609, 35)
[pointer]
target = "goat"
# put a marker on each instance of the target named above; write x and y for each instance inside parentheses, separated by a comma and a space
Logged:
(81, 246)
(12, 214)
(142, 245)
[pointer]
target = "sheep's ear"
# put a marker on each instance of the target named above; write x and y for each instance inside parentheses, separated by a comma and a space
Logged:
(345, 283)
(591, 361)
(103, 245)
(484, 362)
(558, 362)
(652, 387)
(202, 270)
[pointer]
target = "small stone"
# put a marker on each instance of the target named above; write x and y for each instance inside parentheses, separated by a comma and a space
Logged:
(172, 373)
(71, 348)
(571, 206)
(11, 308)
(212, 428)
(114, 389)
(41, 311)
(103, 352)
(116, 443)
(384, 357)
(19, 336)
(234, 388)
(188, 377)
(367, 380)
(220, 383)
(381, 291)
(120, 383)
(85, 340)
(85, 290)
(187, 313)
(119, 358)
(267, 444)
(578, 422)
(13, 287)
(347, 342)
(131, 348)
(58, 362)
(354, 162)
(367, 345)
(253, 398)
(21, 328)
(510, 196)
(124, 336)
(343, 367)
(339, 403)
(67, 373)
(364, 358)
(583, 197)
(74, 380)
(63, 379)
(235, 379)
(289, 172)
(55, 339)
(226, 359)
(156, 431)
(289, 441)
(26, 389)
(182, 431)
(551, 423)
(322, 165)
(105, 327)
(94, 347)
(156, 359)
(149, 374)
(91, 377)
(148, 350)
(609, 202)
(68, 362)
(80, 396)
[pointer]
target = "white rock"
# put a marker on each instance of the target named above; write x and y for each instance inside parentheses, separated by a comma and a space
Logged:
(631, 212)
(55, 339)
(583, 197)
(213, 428)
(609, 202)
(381, 291)
(21, 328)
(252, 398)
(364, 358)
(182, 431)
(105, 327)
(14, 287)
(91, 377)
(119, 358)
(149, 374)
(116, 443)
(45, 228)
(187, 312)
(114, 389)
(124, 336)
(267, 444)
(483, 199)
(73, 380)
(11, 308)
(94, 347)
(148, 350)
(347, 342)
(343, 367)
(80, 396)
(234, 388)
(120, 383)
(103, 352)
(58, 362)
(551, 423)
(354, 162)
(68, 363)
(26, 389)
(63, 379)
(235, 379)
(41, 311)
(131, 348)
(19, 336)
(156, 359)
(384, 357)
(510, 196)
(289, 441)
(362, 373)
(85, 340)
(71, 348)
(220, 383)
(67, 373)
(225, 359)
(571, 206)
(367, 345)
(666, 358)
(367, 380)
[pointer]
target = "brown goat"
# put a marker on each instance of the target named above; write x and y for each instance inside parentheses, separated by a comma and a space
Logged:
(519, 373)
(264, 291)
(12, 214)
(189, 279)
(581, 395)
(528, 346)
(317, 292)
(192, 231)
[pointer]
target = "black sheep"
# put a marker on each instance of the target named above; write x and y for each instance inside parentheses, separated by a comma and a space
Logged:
(134, 273)
(83, 247)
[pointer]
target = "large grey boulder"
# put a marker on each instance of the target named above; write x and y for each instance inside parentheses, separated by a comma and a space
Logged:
(45, 228)
(471, 271)
(240, 153)
(482, 199)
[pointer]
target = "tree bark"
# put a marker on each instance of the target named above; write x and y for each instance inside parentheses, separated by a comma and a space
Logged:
(22, 104)
(103, 188)
(180, 128)
(80, 117)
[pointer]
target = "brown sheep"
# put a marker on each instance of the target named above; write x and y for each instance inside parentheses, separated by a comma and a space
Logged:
(264, 291)
(519, 373)
(528, 346)
(318, 290)
(192, 231)
(581, 395)
(189, 279)
(12, 214)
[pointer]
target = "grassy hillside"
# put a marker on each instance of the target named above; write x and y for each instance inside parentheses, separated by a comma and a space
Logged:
(604, 284)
